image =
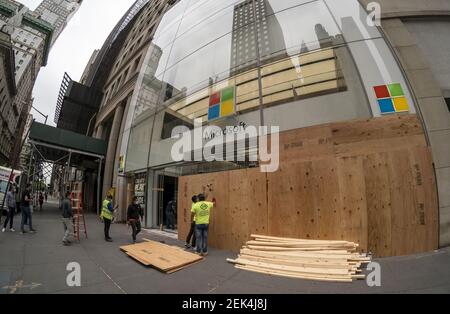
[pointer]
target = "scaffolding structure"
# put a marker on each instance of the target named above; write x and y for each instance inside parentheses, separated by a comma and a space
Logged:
(62, 158)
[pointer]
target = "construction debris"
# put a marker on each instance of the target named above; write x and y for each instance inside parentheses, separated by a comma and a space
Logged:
(335, 261)
(165, 258)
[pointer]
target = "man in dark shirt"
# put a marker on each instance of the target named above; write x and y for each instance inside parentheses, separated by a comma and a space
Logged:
(26, 210)
(67, 219)
(134, 216)
(170, 214)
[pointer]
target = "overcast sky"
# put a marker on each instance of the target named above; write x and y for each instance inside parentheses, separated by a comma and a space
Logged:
(86, 32)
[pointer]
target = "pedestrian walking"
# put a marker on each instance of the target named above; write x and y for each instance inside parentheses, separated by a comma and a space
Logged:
(134, 216)
(26, 210)
(11, 208)
(41, 200)
(67, 220)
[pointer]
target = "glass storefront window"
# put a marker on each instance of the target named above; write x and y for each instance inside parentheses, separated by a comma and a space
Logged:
(139, 145)
(280, 5)
(298, 30)
(200, 35)
(172, 18)
(313, 73)
(207, 11)
(296, 63)
(351, 18)
(195, 106)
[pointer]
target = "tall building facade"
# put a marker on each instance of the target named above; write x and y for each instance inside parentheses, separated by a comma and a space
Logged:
(57, 13)
(8, 90)
(119, 87)
(32, 35)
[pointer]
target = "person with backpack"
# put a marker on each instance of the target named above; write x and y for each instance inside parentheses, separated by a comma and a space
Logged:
(11, 208)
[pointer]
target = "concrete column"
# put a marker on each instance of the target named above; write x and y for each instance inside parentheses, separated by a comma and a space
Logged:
(112, 147)
(120, 183)
(99, 132)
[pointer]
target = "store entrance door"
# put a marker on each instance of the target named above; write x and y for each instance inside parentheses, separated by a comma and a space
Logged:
(167, 201)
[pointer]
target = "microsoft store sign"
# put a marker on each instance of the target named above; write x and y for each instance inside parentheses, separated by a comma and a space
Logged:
(209, 134)
(222, 104)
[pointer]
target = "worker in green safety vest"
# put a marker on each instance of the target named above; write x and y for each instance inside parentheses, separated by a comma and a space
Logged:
(107, 215)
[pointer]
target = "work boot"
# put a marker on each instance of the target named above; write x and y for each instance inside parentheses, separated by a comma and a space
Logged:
(108, 240)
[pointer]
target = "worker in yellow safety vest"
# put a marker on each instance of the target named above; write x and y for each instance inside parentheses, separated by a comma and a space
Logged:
(107, 216)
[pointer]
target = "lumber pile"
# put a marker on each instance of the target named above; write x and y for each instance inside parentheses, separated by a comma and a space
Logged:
(165, 258)
(335, 261)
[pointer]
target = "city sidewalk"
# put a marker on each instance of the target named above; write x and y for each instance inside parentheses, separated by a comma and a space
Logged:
(36, 263)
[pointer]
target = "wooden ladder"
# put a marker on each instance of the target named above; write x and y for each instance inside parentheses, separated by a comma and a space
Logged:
(79, 218)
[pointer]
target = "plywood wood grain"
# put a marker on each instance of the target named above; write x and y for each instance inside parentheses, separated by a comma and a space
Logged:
(366, 181)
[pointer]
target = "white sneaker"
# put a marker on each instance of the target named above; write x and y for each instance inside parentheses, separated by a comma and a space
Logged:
(12, 230)
(3, 230)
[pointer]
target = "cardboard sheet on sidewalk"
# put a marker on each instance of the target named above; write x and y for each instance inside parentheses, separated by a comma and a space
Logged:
(165, 258)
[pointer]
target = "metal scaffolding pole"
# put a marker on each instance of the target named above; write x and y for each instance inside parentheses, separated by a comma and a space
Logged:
(99, 185)
(67, 179)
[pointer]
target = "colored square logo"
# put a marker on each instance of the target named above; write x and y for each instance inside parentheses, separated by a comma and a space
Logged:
(396, 90)
(391, 98)
(222, 104)
(227, 108)
(401, 104)
(214, 99)
(214, 112)
(386, 106)
(228, 94)
(382, 91)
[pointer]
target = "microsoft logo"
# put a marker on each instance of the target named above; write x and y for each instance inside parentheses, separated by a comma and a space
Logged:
(391, 98)
(221, 104)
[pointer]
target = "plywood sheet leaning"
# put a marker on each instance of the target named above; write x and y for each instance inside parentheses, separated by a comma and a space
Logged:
(321, 260)
(188, 187)
(165, 258)
(247, 207)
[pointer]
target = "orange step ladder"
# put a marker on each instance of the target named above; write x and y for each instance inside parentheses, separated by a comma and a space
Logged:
(76, 198)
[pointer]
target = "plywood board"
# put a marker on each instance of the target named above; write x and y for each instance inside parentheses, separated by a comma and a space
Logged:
(247, 206)
(161, 256)
(379, 204)
(369, 181)
(352, 193)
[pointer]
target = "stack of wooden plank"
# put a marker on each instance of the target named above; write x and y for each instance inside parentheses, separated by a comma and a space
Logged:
(336, 261)
(165, 258)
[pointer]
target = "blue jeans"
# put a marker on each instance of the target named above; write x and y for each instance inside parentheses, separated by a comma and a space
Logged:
(26, 217)
(201, 232)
